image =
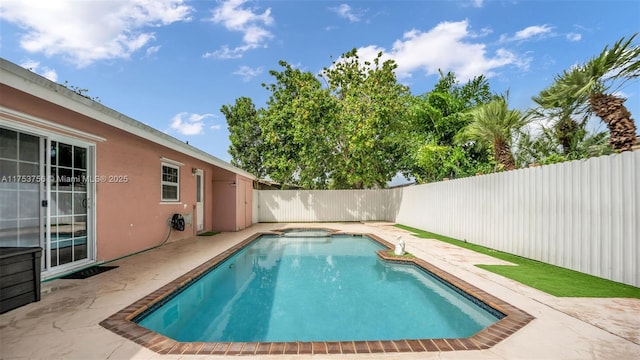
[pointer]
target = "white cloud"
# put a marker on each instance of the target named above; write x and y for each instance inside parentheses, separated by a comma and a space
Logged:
(151, 50)
(248, 73)
(89, 31)
(470, 3)
(538, 31)
(574, 37)
(216, 127)
(50, 74)
(446, 47)
(224, 53)
(345, 11)
(234, 17)
(533, 31)
(44, 71)
(189, 124)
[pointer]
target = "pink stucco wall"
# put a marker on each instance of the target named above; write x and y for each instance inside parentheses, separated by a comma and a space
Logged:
(233, 206)
(130, 216)
(132, 212)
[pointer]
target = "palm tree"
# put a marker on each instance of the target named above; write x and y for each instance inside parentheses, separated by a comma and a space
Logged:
(557, 143)
(592, 84)
(495, 125)
(561, 112)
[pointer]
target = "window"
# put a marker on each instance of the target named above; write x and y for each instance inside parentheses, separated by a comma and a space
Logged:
(170, 183)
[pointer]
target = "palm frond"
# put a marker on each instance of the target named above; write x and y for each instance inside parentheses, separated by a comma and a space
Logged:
(620, 62)
(493, 121)
(623, 59)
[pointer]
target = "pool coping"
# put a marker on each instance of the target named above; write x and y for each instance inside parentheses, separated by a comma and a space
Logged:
(122, 322)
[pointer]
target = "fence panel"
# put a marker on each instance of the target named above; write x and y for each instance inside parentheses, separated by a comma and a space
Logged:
(319, 205)
(582, 215)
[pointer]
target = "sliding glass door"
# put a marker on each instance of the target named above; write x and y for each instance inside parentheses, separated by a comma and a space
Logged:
(68, 211)
(45, 197)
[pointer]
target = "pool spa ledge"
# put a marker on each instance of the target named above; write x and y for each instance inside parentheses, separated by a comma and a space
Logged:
(122, 322)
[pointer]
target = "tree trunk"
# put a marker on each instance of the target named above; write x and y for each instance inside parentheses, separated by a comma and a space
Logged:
(622, 129)
(503, 155)
(565, 132)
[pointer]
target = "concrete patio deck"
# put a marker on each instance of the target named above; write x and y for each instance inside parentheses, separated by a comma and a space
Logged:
(65, 323)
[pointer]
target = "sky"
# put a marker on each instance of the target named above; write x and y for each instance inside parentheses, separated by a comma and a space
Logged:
(172, 64)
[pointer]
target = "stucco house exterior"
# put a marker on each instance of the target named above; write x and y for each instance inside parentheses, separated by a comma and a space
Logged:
(89, 184)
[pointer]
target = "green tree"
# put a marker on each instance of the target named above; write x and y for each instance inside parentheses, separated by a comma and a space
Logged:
(448, 162)
(297, 127)
(444, 107)
(370, 121)
(545, 145)
(593, 85)
(435, 119)
(347, 135)
(245, 136)
(495, 125)
(563, 134)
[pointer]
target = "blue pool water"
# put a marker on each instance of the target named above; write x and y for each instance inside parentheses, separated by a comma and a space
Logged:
(315, 289)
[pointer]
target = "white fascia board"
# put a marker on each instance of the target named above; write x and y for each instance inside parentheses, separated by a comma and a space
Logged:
(55, 127)
(31, 83)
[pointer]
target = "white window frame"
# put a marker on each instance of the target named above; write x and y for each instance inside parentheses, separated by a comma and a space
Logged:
(169, 183)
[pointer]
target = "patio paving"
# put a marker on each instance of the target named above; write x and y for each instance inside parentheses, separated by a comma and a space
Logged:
(65, 323)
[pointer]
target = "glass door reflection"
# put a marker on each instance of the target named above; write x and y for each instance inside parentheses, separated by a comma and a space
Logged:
(20, 191)
(69, 203)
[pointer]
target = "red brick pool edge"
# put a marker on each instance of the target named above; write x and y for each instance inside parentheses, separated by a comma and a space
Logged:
(122, 323)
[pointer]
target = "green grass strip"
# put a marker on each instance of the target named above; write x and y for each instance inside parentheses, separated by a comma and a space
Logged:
(406, 255)
(551, 279)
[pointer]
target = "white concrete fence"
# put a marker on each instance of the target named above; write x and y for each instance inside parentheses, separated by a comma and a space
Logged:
(582, 215)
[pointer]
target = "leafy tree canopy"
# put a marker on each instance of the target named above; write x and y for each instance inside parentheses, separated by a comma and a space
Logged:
(345, 135)
(435, 118)
(296, 125)
(245, 136)
(353, 126)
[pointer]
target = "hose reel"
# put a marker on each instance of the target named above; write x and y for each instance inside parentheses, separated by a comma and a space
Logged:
(177, 222)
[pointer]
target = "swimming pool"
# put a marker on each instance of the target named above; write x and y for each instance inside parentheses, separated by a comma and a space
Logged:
(245, 273)
(332, 288)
